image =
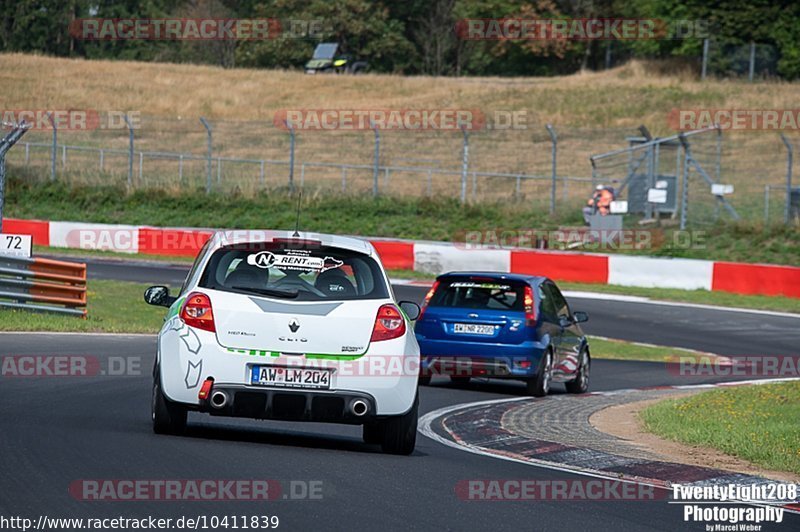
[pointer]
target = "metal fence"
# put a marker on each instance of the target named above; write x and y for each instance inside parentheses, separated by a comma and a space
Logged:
(542, 165)
(38, 285)
(667, 165)
(707, 175)
(15, 132)
(221, 156)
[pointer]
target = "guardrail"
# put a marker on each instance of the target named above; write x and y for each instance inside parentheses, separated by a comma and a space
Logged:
(43, 285)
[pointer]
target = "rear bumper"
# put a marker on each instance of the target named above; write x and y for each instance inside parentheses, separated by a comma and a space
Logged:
(473, 359)
(386, 376)
(323, 406)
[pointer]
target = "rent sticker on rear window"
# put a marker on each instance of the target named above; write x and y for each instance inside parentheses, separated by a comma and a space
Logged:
(487, 286)
(293, 260)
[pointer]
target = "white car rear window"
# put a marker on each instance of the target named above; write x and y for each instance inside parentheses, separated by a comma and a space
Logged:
(295, 272)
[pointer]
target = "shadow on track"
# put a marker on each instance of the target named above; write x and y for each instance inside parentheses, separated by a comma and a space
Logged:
(510, 388)
(272, 436)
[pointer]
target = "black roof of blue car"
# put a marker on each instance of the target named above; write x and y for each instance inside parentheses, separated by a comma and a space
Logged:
(526, 278)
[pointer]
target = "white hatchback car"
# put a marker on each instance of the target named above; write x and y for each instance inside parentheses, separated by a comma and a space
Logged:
(274, 325)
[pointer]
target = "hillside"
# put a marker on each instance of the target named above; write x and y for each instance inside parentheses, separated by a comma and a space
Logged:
(592, 113)
(622, 97)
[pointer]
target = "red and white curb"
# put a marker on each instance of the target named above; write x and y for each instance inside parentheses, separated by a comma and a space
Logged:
(457, 441)
(440, 257)
(582, 294)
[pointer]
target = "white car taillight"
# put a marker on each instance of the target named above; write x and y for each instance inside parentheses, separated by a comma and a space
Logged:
(389, 324)
(196, 312)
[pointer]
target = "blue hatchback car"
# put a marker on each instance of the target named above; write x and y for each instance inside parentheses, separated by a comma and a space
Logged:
(502, 325)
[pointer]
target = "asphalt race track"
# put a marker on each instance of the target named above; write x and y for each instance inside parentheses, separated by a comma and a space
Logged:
(716, 331)
(56, 431)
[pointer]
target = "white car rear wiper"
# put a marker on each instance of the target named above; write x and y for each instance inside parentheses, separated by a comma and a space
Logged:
(268, 292)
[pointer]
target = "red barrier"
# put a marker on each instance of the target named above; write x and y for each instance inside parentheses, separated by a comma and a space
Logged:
(733, 277)
(395, 255)
(561, 266)
(38, 229)
(762, 279)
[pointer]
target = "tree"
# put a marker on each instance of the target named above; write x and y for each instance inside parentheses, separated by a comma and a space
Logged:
(433, 33)
(39, 25)
(131, 49)
(361, 27)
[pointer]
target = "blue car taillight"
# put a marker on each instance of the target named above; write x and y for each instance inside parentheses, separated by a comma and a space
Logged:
(530, 309)
(428, 297)
(522, 363)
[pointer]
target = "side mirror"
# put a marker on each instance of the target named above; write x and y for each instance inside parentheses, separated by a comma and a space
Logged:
(580, 316)
(411, 309)
(158, 296)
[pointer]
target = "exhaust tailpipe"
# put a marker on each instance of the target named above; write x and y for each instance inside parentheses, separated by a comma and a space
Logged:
(219, 399)
(359, 407)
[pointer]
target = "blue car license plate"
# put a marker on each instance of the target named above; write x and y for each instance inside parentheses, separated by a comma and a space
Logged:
(473, 328)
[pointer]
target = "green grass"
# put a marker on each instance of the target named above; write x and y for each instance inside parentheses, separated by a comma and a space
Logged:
(117, 307)
(415, 218)
(739, 242)
(442, 219)
(113, 307)
(756, 423)
(77, 254)
(702, 297)
(621, 350)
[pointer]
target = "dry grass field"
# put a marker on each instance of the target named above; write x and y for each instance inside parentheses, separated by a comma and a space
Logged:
(592, 112)
(624, 97)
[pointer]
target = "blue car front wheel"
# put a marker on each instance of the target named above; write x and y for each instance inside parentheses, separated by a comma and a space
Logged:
(581, 382)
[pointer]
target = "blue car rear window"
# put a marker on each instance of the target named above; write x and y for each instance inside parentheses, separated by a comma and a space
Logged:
(481, 295)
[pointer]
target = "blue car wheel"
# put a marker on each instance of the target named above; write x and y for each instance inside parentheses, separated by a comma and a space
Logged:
(539, 386)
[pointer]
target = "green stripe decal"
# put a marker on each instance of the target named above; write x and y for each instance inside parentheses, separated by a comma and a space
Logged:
(253, 352)
(310, 356)
(175, 308)
(332, 357)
